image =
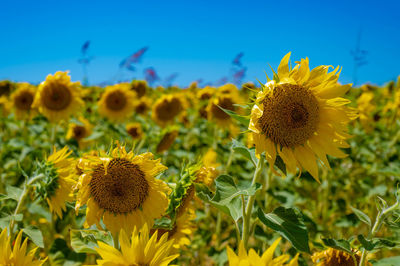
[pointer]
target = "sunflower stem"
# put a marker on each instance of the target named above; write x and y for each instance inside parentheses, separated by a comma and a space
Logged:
(378, 222)
(250, 202)
(116, 240)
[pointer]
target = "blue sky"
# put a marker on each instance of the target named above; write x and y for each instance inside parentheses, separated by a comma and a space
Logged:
(197, 39)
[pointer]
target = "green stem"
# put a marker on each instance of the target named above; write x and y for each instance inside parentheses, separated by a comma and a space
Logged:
(375, 228)
(250, 202)
(116, 240)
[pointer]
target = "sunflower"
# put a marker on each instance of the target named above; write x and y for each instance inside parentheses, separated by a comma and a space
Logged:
(5, 88)
(121, 189)
(143, 105)
(181, 231)
(208, 172)
(206, 93)
(57, 186)
(300, 115)
(17, 256)
(22, 100)
(80, 131)
(139, 250)
(334, 257)
(167, 108)
(57, 97)
(225, 100)
(167, 140)
(5, 106)
(117, 102)
(134, 130)
(228, 88)
(253, 259)
(140, 87)
(366, 109)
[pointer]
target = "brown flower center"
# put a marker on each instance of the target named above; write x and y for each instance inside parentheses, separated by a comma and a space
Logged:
(24, 101)
(224, 102)
(134, 132)
(79, 131)
(121, 188)
(56, 97)
(168, 109)
(291, 115)
(116, 101)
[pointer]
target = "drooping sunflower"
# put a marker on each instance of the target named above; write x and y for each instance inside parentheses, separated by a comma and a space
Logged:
(134, 130)
(17, 255)
(121, 188)
(167, 140)
(139, 250)
(57, 97)
(80, 131)
(334, 257)
(140, 87)
(22, 100)
(59, 180)
(300, 115)
(167, 108)
(117, 102)
(253, 259)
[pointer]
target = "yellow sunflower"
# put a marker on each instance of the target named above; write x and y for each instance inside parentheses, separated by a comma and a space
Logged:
(228, 88)
(60, 180)
(226, 101)
(366, 109)
(139, 250)
(140, 87)
(121, 188)
(134, 130)
(208, 172)
(253, 259)
(117, 102)
(22, 100)
(5, 106)
(143, 105)
(334, 257)
(6, 88)
(57, 97)
(300, 115)
(167, 108)
(206, 93)
(17, 255)
(80, 131)
(167, 140)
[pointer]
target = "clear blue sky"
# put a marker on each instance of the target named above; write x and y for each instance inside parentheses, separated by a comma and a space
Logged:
(197, 39)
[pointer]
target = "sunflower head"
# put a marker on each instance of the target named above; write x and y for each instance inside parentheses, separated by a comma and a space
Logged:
(22, 100)
(228, 88)
(57, 97)
(6, 88)
(117, 102)
(134, 130)
(140, 87)
(301, 117)
(251, 258)
(206, 93)
(140, 249)
(5, 106)
(121, 188)
(79, 131)
(167, 108)
(222, 100)
(167, 140)
(334, 257)
(59, 179)
(16, 254)
(143, 105)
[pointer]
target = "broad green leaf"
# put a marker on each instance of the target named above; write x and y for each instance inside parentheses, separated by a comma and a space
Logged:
(227, 194)
(391, 261)
(244, 121)
(340, 244)
(85, 241)
(382, 243)
(13, 192)
(367, 244)
(250, 154)
(289, 224)
(362, 216)
(35, 235)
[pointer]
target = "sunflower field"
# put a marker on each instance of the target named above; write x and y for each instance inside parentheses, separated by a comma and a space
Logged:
(296, 170)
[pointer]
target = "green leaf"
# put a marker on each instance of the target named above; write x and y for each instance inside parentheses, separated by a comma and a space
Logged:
(280, 164)
(340, 244)
(241, 119)
(367, 244)
(227, 194)
(362, 216)
(250, 154)
(384, 243)
(85, 241)
(35, 235)
(13, 192)
(289, 224)
(391, 261)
